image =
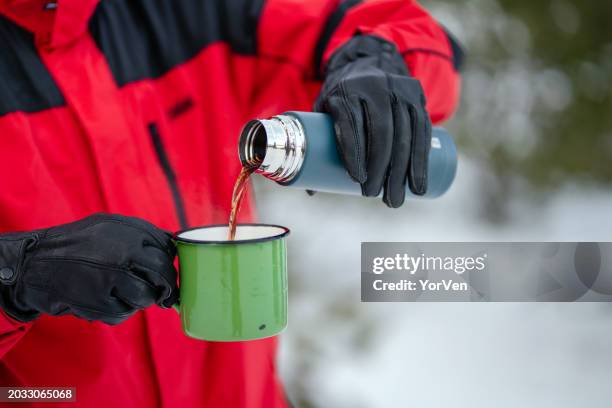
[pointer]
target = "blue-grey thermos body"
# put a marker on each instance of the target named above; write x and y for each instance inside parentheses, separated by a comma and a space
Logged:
(298, 149)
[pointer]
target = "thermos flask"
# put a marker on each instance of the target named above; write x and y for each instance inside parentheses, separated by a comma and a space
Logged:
(298, 149)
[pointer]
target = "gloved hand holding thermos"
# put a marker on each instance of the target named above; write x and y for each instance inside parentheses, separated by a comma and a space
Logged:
(378, 131)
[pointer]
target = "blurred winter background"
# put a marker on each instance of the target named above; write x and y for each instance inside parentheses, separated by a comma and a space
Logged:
(535, 134)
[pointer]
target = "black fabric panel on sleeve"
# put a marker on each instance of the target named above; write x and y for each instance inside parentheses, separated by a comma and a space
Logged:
(145, 39)
(457, 49)
(333, 21)
(25, 83)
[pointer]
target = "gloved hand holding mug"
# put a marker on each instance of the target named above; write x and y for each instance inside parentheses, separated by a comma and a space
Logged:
(383, 129)
(104, 267)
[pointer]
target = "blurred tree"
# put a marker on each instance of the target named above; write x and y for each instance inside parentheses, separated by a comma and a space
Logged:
(537, 97)
(576, 39)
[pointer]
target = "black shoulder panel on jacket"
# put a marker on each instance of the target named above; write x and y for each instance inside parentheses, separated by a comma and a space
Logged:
(25, 83)
(458, 51)
(145, 39)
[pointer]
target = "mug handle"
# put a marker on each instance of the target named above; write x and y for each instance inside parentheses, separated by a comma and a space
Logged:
(176, 305)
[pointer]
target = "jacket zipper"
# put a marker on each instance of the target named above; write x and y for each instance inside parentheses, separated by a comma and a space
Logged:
(164, 163)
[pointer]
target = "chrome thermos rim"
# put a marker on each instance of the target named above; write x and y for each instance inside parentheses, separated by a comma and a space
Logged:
(276, 147)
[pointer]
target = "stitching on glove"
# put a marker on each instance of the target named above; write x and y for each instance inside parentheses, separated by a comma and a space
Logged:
(116, 221)
(344, 101)
(71, 302)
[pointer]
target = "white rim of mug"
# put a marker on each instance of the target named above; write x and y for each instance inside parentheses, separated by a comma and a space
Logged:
(283, 234)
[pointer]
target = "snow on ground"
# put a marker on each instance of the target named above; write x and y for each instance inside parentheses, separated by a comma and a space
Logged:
(339, 352)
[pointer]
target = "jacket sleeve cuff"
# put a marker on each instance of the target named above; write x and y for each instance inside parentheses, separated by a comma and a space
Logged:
(405, 23)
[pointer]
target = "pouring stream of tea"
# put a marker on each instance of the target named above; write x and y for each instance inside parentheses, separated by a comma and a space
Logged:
(237, 194)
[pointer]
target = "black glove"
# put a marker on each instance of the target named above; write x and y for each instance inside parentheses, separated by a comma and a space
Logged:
(382, 127)
(104, 267)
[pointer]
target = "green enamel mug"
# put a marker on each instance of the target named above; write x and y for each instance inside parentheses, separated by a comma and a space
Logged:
(232, 290)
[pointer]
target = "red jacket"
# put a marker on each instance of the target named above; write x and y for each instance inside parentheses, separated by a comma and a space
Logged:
(134, 107)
